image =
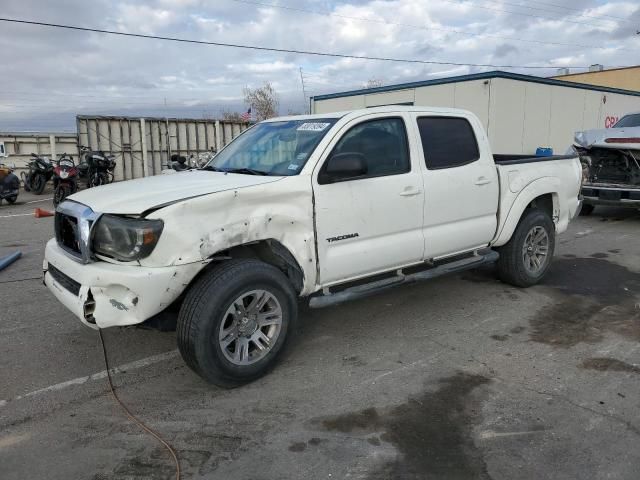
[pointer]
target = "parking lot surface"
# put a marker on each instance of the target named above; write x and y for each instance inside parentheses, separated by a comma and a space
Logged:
(458, 378)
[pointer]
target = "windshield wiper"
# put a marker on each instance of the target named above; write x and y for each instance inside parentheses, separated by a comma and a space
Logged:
(211, 168)
(246, 171)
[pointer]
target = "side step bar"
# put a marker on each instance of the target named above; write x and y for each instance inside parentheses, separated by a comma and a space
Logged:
(360, 291)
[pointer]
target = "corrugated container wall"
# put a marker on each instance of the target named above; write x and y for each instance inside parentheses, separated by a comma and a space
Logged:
(143, 146)
(122, 137)
(519, 116)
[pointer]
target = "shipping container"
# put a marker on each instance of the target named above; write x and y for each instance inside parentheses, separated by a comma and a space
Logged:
(142, 146)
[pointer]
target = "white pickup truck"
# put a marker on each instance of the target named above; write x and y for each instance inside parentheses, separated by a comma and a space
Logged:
(332, 207)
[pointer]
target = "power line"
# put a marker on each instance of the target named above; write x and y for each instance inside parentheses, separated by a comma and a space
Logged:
(280, 50)
(473, 5)
(419, 27)
(578, 10)
(556, 12)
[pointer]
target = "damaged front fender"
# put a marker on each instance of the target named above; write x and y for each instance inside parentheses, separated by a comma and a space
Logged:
(200, 229)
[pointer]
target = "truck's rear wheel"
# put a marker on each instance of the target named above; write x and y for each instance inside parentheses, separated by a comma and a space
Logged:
(235, 321)
(524, 260)
(587, 209)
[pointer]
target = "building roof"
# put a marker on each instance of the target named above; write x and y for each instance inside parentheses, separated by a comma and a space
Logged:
(477, 76)
(596, 72)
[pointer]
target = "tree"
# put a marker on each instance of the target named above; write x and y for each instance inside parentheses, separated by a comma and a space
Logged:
(374, 83)
(263, 101)
(229, 116)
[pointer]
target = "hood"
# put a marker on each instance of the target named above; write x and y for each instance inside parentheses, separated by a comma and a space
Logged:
(596, 138)
(133, 197)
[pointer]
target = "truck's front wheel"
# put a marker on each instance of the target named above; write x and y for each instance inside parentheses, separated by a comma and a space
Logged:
(526, 257)
(235, 321)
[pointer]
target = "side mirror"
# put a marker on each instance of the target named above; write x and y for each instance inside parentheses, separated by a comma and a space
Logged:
(342, 166)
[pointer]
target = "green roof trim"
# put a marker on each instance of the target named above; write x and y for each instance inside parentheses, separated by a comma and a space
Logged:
(478, 76)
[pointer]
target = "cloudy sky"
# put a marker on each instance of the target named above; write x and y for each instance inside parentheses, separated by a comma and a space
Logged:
(49, 75)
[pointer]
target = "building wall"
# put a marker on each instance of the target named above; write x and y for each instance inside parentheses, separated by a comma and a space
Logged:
(20, 145)
(519, 116)
(625, 78)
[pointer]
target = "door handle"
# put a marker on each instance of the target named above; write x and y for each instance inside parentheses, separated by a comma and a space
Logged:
(410, 191)
(482, 181)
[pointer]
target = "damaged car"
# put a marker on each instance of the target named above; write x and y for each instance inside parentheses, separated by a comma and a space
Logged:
(610, 160)
(327, 208)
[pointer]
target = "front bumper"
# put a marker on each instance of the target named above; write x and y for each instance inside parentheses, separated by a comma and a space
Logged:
(614, 196)
(103, 294)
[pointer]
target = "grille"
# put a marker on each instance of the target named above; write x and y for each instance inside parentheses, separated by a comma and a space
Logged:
(64, 280)
(67, 233)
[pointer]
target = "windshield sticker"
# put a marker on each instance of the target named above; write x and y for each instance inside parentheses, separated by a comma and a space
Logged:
(293, 166)
(301, 156)
(312, 127)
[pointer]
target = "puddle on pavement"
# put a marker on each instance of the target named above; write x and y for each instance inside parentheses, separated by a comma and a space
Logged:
(605, 364)
(593, 297)
(432, 432)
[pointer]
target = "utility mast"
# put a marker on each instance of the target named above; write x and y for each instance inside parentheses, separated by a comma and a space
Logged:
(304, 93)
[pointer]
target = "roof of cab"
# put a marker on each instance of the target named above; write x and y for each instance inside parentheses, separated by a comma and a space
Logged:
(354, 113)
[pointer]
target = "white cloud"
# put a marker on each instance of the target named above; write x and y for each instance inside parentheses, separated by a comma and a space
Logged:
(111, 73)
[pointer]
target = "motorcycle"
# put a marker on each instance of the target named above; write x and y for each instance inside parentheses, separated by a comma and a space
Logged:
(178, 163)
(65, 179)
(40, 172)
(97, 167)
(9, 184)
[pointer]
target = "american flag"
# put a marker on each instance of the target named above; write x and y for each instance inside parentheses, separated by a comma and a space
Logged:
(246, 116)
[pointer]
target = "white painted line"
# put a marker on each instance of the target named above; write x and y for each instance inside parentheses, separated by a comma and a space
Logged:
(17, 215)
(11, 440)
(489, 434)
(144, 362)
(36, 201)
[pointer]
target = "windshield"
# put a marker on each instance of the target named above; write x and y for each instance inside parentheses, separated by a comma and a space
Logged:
(628, 121)
(272, 148)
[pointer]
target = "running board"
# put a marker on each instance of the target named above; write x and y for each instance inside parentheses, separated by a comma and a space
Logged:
(360, 291)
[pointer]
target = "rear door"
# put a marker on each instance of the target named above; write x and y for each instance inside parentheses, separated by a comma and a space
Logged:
(372, 222)
(461, 184)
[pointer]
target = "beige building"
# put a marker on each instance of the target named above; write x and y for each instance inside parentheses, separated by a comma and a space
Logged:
(519, 112)
(627, 78)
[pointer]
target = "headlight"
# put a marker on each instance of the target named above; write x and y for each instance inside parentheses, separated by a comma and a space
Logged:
(126, 239)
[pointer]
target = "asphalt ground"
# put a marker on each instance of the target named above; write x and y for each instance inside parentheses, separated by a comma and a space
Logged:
(461, 377)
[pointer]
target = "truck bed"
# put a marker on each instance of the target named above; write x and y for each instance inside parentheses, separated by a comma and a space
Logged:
(514, 159)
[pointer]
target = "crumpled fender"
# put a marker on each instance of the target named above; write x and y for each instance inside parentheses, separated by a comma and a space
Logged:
(533, 190)
(200, 228)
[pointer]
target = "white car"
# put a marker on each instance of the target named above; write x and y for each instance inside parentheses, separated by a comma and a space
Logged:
(330, 207)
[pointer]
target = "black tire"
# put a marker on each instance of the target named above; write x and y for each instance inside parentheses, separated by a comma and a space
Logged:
(587, 209)
(37, 183)
(205, 308)
(98, 179)
(61, 192)
(25, 181)
(12, 199)
(511, 264)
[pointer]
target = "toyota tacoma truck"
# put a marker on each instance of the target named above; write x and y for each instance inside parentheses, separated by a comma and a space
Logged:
(611, 164)
(328, 207)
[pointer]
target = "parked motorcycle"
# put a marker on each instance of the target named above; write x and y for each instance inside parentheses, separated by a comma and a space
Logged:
(178, 163)
(9, 184)
(97, 167)
(39, 173)
(65, 179)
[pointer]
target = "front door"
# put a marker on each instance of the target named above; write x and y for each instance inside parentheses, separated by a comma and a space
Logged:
(372, 221)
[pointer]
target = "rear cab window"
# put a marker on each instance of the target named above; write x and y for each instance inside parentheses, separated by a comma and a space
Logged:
(447, 142)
